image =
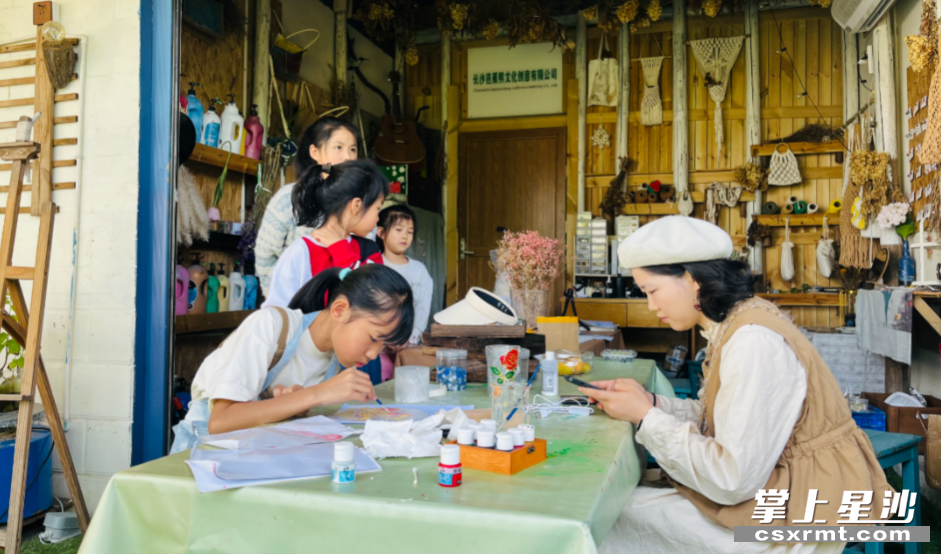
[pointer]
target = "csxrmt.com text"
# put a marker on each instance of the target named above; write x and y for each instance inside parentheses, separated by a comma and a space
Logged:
(835, 533)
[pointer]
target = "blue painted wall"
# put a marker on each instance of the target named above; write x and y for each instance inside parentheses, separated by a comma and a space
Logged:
(154, 229)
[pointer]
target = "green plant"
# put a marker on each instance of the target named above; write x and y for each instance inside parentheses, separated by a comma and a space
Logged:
(13, 361)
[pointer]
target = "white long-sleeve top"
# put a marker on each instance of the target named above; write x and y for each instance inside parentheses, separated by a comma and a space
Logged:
(278, 230)
(423, 287)
(763, 386)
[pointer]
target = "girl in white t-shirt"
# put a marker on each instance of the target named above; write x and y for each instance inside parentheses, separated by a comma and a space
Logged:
(262, 374)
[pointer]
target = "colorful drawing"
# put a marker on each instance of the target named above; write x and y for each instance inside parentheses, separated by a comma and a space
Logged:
(360, 414)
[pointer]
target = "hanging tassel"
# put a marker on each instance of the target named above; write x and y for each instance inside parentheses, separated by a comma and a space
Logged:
(853, 247)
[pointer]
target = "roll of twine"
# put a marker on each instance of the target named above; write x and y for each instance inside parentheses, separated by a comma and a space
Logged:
(666, 193)
(652, 197)
(640, 196)
(800, 207)
(835, 207)
(788, 209)
(812, 208)
(770, 208)
(792, 200)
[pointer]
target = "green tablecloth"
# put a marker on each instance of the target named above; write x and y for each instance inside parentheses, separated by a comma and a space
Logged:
(566, 504)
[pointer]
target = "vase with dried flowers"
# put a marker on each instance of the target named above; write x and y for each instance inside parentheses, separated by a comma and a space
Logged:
(531, 263)
(899, 215)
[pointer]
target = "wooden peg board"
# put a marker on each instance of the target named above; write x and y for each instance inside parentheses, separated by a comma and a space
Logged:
(918, 86)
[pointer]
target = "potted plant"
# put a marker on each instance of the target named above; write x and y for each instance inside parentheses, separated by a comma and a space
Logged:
(531, 263)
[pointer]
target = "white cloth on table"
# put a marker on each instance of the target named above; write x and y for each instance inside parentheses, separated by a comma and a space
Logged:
(423, 287)
(237, 370)
(759, 402)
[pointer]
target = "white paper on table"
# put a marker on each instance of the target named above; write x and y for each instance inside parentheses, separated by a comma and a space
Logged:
(586, 338)
(602, 324)
(311, 430)
(410, 439)
(260, 467)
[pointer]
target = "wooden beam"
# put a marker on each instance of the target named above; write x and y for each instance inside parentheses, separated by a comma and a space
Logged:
(340, 43)
(829, 147)
(31, 101)
(812, 220)
(17, 82)
(850, 79)
(928, 313)
(17, 63)
(513, 123)
(753, 115)
(624, 101)
(452, 267)
(57, 163)
(809, 299)
(55, 186)
(581, 74)
(680, 100)
(30, 46)
(262, 80)
(196, 323)
(571, 171)
(64, 142)
(884, 39)
(42, 131)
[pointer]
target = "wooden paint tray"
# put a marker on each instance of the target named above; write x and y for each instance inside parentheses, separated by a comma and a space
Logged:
(506, 463)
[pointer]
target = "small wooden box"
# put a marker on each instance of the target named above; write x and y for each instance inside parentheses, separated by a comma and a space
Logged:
(906, 420)
(507, 463)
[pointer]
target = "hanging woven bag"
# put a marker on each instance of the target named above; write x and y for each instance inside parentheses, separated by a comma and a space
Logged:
(787, 253)
(825, 252)
(685, 204)
(784, 170)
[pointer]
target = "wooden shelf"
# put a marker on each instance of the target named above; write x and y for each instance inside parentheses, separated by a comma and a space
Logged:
(216, 157)
(798, 148)
(814, 299)
(218, 241)
(197, 323)
(671, 208)
(812, 220)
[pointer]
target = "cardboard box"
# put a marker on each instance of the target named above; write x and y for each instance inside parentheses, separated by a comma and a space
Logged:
(561, 332)
(906, 420)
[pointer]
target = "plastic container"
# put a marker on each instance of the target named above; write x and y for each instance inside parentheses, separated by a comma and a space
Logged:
(38, 472)
(232, 121)
(623, 356)
(550, 375)
(529, 432)
(224, 289)
(182, 290)
(449, 469)
(251, 292)
(196, 298)
(452, 369)
(254, 135)
(873, 419)
(194, 108)
(485, 438)
(344, 463)
(465, 436)
(488, 425)
(505, 442)
(212, 292)
(519, 436)
(236, 290)
(209, 134)
(411, 384)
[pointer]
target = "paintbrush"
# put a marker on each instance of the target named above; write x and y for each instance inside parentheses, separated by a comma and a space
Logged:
(528, 384)
(383, 406)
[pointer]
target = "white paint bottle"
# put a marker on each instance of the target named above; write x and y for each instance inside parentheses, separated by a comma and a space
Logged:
(550, 375)
(344, 464)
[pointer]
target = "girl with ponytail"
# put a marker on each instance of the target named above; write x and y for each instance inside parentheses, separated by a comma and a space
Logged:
(281, 362)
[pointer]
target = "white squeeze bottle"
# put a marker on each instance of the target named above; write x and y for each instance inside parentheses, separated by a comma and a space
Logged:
(210, 133)
(224, 290)
(236, 290)
(231, 120)
(550, 375)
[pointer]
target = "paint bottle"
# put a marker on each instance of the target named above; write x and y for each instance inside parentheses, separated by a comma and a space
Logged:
(254, 135)
(504, 441)
(449, 470)
(465, 436)
(194, 108)
(232, 120)
(344, 464)
(485, 438)
(224, 289)
(212, 298)
(529, 431)
(251, 292)
(211, 122)
(182, 290)
(196, 299)
(550, 375)
(519, 436)
(236, 290)
(488, 425)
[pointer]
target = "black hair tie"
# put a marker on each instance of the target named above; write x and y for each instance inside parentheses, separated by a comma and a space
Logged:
(325, 168)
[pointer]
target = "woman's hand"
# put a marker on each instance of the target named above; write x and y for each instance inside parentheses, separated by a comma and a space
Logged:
(349, 385)
(624, 399)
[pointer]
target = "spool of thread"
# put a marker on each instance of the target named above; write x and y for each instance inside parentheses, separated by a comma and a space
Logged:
(630, 197)
(485, 439)
(835, 207)
(640, 197)
(519, 436)
(800, 208)
(792, 200)
(812, 208)
(504, 442)
(652, 197)
(770, 208)
(666, 193)
(788, 209)
(529, 431)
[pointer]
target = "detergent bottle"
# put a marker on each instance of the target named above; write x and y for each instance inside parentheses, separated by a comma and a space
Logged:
(196, 299)
(212, 295)
(251, 292)
(194, 108)
(236, 290)
(182, 290)
(211, 122)
(231, 120)
(224, 289)
(254, 135)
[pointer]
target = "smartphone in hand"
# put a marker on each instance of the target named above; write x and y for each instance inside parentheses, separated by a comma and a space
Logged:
(579, 383)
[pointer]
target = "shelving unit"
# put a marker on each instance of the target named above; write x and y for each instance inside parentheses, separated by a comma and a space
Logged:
(197, 323)
(808, 299)
(811, 220)
(798, 148)
(216, 157)
(671, 208)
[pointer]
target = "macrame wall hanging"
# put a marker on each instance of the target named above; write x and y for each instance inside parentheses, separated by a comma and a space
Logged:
(784, 170)
(715, 57)
(651, 110)
(600, 138)
(720, 194)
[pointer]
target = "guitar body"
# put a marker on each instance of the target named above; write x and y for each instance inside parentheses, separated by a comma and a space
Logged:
(398, 141)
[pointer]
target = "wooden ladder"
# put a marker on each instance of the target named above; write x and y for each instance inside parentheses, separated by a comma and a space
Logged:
(28, 333)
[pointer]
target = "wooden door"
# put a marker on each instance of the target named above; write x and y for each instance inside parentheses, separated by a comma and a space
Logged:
(512, 179)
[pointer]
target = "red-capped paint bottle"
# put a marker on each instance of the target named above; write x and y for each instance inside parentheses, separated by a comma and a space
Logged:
(449, 470)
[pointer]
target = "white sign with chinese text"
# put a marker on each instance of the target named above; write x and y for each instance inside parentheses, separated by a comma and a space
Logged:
(507, 82)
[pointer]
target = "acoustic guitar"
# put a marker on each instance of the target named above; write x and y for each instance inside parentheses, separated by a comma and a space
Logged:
(398, 141)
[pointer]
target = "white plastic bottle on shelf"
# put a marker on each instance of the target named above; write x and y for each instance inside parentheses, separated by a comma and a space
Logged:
(231, 120)
(211, 121)
(236, 290)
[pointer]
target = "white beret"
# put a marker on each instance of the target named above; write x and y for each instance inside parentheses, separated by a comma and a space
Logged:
(673, 240)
